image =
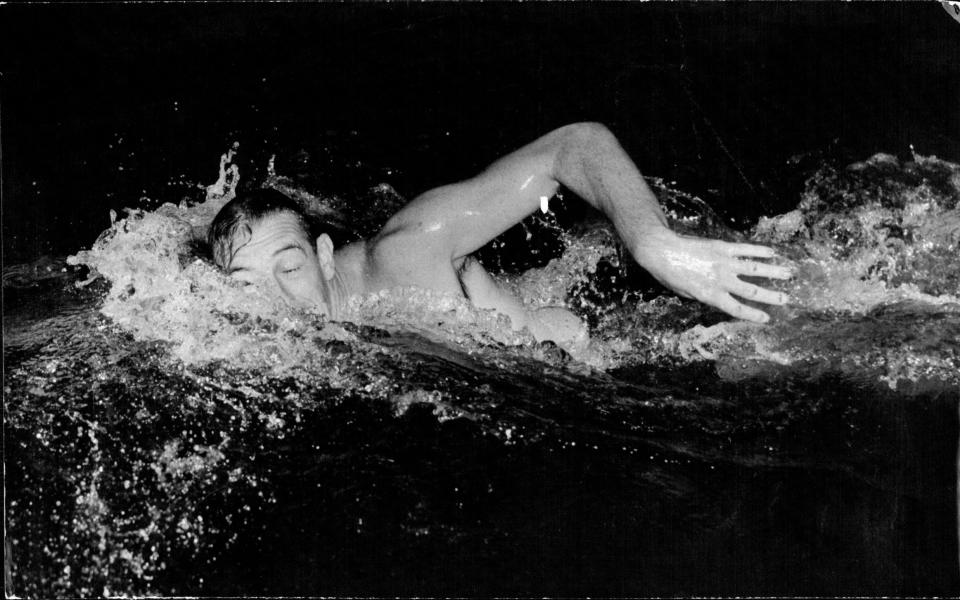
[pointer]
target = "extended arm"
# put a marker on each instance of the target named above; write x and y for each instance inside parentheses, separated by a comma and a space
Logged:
(453, 221)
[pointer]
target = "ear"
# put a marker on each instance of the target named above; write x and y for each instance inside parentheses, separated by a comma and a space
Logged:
(325, 255)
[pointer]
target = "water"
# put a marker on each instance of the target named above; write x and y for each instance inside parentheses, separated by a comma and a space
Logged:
(170, 432)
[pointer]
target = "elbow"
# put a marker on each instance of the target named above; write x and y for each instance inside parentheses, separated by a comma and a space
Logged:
(590, 132)
(579, 141)
(588, 138)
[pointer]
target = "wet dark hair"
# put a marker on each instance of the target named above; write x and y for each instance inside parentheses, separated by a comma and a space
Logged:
(233, 221)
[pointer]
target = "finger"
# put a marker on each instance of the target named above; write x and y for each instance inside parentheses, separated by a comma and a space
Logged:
(748, 291)
(758, 269)
(751, 250)
(729, 305)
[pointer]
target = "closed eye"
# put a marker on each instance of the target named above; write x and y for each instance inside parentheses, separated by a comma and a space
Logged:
(241, 281)
(242, 275)
(291, 263)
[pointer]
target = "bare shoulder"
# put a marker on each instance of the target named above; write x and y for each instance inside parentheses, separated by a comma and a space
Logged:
(397, 250)
(401, 257)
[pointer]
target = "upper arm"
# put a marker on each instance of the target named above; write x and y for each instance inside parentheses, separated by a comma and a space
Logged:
(455, 220)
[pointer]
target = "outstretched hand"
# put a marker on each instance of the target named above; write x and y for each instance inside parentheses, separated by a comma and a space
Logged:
(709, 270)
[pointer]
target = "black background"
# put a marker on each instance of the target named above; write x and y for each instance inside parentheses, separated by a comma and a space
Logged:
(718, 97)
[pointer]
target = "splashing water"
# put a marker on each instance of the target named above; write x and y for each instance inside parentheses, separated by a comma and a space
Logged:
(878, 288)
(867, 239)
(175, 404)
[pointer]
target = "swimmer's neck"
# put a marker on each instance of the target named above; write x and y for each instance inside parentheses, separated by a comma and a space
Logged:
(349, 278)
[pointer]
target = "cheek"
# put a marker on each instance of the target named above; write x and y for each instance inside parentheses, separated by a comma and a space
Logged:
(300, 289)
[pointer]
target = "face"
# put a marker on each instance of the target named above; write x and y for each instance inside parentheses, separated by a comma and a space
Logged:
(280, 257)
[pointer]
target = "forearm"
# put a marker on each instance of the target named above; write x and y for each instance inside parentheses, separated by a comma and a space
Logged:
(591, 163)
(551, 323)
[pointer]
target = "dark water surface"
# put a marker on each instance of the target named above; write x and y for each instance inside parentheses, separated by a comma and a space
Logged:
(528, 480)
(817, 456)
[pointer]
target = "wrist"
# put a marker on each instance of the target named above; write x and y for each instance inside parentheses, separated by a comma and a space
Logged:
(649, 246)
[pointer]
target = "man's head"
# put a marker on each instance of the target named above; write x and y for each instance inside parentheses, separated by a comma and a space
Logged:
(262, 237)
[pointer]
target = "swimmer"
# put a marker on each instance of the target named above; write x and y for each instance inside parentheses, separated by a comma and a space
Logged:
(261, 237)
